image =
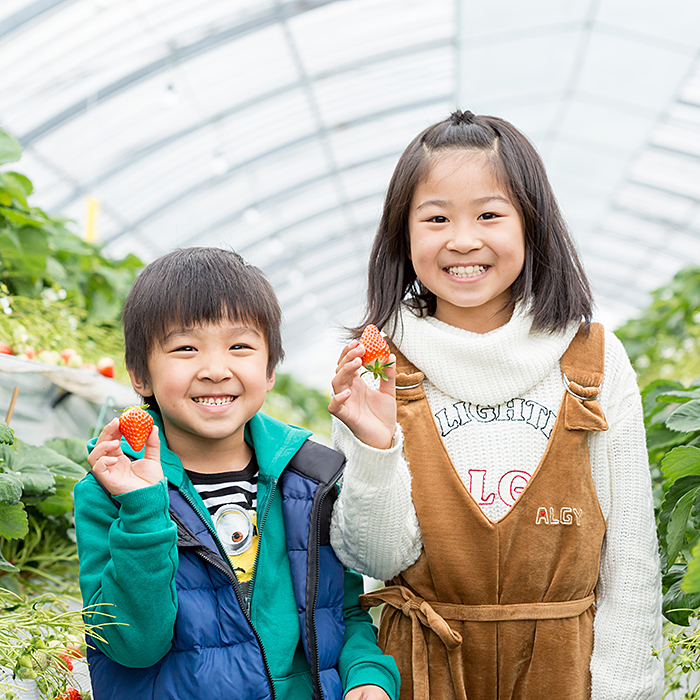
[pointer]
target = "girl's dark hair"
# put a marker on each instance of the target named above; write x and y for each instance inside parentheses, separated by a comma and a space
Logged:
(552, 276)
(191, 286)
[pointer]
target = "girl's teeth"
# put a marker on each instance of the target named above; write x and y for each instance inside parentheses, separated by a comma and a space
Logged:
(214, 402)
(467, 271)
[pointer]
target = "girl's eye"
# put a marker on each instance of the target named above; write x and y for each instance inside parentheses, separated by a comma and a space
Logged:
(439, 219)
(489, 215)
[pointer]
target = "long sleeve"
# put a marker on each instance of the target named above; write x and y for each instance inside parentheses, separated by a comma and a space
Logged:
(628, 609)
(128, 560)
(361, 660)
(374, 529)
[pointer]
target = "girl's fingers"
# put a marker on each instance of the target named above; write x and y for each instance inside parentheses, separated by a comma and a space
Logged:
(388, 385)
(338, 401)
(346, 350)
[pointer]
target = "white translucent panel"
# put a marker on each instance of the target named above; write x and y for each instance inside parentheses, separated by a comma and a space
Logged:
(533, 114)
(662, 205)
(215, 76)
(642, 232)
(668, 172)
(690, 91)
(632, 71)
(10, 7)
(685, 113)
(369, 179)
(645, 18)
(582, 168)
(504, 17)
(344, 32)
(378, 87)
(678, 137)
(603, 124)
(368, 138)
(524, 66)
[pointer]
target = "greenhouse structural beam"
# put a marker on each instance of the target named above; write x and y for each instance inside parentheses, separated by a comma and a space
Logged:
(178, 56)
(27, 14)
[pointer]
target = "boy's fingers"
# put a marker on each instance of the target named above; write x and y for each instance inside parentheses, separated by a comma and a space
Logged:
(152, 449)
(110, 431)
(101, 449)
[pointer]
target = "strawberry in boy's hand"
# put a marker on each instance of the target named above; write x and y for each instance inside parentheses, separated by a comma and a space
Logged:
(376, 357)
(135, 425)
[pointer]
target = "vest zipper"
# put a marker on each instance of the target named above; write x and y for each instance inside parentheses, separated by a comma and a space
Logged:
(230, 574)
(313, 649)
(273, 487)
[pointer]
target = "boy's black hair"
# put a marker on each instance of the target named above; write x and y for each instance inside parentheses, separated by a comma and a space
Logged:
(190, 286)
(552, 276)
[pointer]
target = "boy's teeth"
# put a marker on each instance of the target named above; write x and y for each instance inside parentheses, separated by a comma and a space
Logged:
(467, 271)
(214, 402)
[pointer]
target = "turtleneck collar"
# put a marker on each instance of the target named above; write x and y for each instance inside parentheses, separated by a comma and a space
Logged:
(485, 369)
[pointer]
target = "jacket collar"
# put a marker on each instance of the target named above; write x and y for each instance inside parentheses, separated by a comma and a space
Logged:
(273, 441)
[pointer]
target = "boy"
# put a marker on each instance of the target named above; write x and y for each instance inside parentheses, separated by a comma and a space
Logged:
(212, 545)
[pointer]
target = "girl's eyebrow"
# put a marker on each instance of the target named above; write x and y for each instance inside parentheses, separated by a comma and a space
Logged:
(491, 198)
(434, 202)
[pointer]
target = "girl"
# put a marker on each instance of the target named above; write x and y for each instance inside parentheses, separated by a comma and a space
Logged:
(510, 505)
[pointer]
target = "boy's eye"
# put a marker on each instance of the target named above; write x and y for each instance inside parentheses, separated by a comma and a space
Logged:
(439, 219)
(240, 346)
(184, 348)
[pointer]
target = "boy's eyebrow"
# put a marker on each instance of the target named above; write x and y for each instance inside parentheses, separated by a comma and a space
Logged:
(193, 329)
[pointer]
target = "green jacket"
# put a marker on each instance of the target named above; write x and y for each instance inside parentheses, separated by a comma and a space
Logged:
(128, 560)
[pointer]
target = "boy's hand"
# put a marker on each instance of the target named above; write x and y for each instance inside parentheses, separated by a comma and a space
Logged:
(115, 471)
(366, 692)
(369, 413)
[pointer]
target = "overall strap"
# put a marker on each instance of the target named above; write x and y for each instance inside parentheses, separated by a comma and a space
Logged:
(409, 379)
(583, 366)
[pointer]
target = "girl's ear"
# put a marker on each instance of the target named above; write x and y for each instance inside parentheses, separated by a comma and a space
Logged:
(141, 386)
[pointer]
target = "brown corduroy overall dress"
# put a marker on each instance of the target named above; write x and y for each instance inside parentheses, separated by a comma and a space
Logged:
(500, 610)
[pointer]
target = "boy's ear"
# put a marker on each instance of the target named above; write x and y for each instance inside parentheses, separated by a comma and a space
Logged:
(141, 386)
(270, 381)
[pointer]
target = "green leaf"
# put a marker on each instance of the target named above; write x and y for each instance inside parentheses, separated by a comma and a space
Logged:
(662, 438)
(677, 605)
(675, 530)
(6, 566)
(675, 493)
(691, 581)
(7, 435)
(72, 448)
(653, 390)
(19, 218)
(685, 418)
(13, 521)
(10, 149)
(681, 461)
(679, 396)
(23, 181)
(37, 480)
(57, 503)
(10, 489)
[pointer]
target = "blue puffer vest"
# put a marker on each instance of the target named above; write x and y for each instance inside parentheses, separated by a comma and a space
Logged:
(215, 649)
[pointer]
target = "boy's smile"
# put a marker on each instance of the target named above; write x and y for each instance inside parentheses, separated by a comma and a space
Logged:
(209, 380)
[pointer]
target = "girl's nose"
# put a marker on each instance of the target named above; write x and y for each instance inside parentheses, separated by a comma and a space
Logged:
(464, 238)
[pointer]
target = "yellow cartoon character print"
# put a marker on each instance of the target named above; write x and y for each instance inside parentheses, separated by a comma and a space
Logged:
(237, 528)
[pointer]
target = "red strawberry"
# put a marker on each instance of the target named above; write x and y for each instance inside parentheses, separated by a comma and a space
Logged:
(105, 366)
(376, 357)
(66, 661)
(71, 694)
(135, 425)
(67, 354)
(5, 349)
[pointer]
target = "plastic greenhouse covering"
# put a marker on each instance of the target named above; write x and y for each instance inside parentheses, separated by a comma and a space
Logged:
(272, 127)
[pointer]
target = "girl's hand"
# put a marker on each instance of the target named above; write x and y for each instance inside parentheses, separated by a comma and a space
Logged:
(369, 413)
(115, 471)
(366, 692)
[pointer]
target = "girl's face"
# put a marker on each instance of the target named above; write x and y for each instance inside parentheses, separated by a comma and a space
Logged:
(467, 242)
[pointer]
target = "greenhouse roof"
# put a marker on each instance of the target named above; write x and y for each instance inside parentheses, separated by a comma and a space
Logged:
(273, 126)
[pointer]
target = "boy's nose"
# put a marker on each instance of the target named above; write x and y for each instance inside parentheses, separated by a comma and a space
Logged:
(215, 370)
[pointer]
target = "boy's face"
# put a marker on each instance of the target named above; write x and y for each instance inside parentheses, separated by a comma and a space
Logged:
(209, 380)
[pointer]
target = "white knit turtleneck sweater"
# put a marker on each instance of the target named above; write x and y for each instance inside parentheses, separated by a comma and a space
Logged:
(494, 397)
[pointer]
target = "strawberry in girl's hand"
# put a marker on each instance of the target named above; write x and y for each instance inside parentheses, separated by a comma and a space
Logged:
(376, 357)
(135, 425)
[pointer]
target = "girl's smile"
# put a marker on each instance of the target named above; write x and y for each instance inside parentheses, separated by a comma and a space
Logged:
(467, 242)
